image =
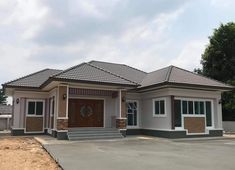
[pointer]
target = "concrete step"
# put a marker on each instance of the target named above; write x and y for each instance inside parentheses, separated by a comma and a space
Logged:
(91, 129)
(85, 132)
(94, 138)
(93, 133)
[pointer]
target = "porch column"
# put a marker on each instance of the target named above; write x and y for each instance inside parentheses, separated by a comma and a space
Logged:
(121, 118)
(62, 98)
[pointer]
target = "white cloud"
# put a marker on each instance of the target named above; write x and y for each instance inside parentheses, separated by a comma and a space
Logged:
(145, 34)
(190, 56)
(223, 3)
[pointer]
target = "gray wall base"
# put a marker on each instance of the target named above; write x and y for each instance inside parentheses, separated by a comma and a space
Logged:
(17, 132)
(171, 134)
(20, 132)
(53, 133)
(62, 135)
(123, 132)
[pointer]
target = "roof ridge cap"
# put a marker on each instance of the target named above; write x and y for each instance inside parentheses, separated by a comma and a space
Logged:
(117, 64)
(158, 69)
(111, 73)
(168, 74)
(22, 77)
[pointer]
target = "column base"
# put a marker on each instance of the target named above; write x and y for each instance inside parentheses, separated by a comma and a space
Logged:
(121, 123)
(62, 124)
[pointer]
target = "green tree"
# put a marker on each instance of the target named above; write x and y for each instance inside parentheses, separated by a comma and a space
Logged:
(2, 97)
(218, 62)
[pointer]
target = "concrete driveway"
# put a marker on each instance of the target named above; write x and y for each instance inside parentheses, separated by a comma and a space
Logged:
(140, 153)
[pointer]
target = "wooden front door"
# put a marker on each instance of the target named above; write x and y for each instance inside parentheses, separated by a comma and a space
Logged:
(86, 113)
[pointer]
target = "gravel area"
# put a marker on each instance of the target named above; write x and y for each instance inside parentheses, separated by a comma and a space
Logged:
(24, 153)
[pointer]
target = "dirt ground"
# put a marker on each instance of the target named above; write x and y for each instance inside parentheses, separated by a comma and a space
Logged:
(24, 153)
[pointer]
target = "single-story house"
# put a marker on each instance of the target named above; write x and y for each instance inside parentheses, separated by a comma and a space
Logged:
(170, 102)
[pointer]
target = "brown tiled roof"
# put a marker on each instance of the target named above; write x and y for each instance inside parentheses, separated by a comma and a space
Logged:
(112, 73)
(34, 80)
(122, 70)
(175, 75)
(92, 73)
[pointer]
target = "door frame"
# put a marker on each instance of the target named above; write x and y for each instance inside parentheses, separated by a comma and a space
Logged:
(138, 109)
(92, 98)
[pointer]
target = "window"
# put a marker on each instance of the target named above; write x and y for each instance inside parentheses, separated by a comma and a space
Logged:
(177, 108)
(185, 107)
(202, 108)
(159, 107)
(52, 107)
(196, 107)
(192, 107)
(35, 108)
(131, 108)
(208, 114)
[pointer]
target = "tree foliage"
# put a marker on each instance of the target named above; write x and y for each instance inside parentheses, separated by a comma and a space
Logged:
(3, 98)
(218, 62)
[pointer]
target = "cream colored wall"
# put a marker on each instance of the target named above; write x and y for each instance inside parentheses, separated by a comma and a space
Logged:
(163, 123)
(151, 122)
(19, 117)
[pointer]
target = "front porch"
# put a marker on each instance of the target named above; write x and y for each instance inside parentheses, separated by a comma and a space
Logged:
(80, 108)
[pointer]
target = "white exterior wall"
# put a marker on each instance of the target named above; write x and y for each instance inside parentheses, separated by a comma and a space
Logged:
(19, 114)
(148, 121)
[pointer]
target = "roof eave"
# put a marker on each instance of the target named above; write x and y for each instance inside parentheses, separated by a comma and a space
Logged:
(21, 87)
(185, 85)
(83, 81)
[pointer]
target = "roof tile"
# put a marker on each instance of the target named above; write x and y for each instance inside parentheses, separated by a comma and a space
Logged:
(33, 80)
(89, 72)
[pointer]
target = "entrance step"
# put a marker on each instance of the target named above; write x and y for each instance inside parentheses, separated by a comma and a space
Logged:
(93, 133)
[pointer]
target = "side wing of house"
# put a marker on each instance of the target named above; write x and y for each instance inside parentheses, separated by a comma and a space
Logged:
(173, 103)
(175, 112)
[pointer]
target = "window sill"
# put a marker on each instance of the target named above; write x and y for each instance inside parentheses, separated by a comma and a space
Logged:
(159, 115)
(34, 115)
(132, 127)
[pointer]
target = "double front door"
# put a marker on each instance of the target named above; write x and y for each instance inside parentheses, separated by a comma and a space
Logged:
(86, 113)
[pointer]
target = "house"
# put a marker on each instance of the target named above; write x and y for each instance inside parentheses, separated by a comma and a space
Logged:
(5, 116)
(170, 102)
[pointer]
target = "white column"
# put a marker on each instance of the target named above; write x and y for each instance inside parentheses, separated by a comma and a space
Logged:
(67, 103)
(219, 113)
(120, 103)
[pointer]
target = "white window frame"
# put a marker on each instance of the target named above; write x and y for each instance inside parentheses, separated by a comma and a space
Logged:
(35, 100)
(137, 114)
(51, 108)
(196, 115)
(153, 102)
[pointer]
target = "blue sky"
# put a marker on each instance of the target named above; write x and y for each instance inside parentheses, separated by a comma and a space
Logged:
(146, 34)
